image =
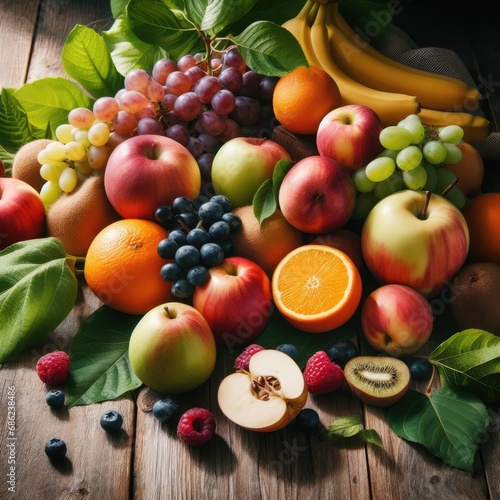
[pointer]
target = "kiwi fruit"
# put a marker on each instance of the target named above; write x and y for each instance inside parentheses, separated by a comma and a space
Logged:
(475, 297)
(25, 164)
(377, 380)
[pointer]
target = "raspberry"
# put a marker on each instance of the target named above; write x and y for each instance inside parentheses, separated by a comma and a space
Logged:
(196, 427)
(241, 362)
(322, 375)
(53, 368)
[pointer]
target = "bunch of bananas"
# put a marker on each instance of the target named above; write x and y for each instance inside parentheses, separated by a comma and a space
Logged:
(365, 76)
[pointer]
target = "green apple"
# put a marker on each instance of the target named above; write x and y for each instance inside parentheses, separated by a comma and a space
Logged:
(172, 348)
(242, 164)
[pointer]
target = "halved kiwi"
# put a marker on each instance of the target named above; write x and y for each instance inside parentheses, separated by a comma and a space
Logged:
(377, 380)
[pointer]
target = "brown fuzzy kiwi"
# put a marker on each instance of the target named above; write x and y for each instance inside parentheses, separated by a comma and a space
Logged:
(77, 217)
(377, 380)
(25, 165)
(266, 243)
(475, 298)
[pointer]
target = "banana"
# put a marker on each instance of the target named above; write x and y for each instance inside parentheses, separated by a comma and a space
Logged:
(365, 64)
(391, 107)
(300, 28)
(475, 127)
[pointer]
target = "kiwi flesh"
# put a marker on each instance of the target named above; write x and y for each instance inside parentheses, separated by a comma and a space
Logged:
(377, 380)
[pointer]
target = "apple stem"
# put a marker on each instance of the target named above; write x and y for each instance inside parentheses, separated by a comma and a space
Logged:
(167, 310)
(423, 215)
(449, 187)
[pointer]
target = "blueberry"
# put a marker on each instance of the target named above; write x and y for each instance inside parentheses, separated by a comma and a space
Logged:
(187, 256)
(182, 204)
(420, 369)
(197, 237)
(55, 398)
(171, 271)
(211, 254)
(233, 220)
(289, 349)
(182, 288)
(307, 420)
(210, 212)
(55, 448)
(199, 200)
(189, 219)
(164, 215)
(167, 248)
(342, 351)
(219, 230)
(111, 421)
(165, 409)
(179, 236)
(227, 246)
(197, 275)
(223, 201)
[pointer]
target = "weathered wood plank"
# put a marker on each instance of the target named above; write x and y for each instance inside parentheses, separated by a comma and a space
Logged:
(17, 30)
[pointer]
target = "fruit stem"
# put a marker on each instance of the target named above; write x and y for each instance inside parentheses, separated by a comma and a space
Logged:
(423, 215)
(449, 187)
(428, 389)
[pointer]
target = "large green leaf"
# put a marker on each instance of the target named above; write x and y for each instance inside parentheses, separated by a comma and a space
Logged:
(221, 13)
(100, 367)
(154, 22)
(7, 158)
(37, 291)
(127, 51)
(449, 424)
(269, 49)
(48, 101)
(470, 361)
(87, 60)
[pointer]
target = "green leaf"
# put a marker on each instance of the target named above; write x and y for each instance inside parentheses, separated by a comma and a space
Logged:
(7, 159)
(99, 363)
(371, 436)
(48, 101)
(221, 13)
(449, 424)
(470, 361)
(350, 427)
(37, 291)
(87, 60)
(154, 22)
(127, 51)
(15, 128)
(279, 331)
(118, 8)
(269, 49)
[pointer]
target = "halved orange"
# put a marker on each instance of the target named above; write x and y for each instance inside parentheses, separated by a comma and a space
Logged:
(316, 288)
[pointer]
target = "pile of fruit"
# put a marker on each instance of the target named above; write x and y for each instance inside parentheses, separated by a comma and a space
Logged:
(185, 211)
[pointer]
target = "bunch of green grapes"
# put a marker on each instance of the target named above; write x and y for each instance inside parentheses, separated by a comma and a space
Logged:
(414, 157)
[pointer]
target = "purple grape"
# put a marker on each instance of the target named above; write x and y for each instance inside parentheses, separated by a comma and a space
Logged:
(149, 125)
(231, 78)
(207, 87)
(178, 133)
(247, 110)
(187, 106)
(211, 122)
(223, 102)
(251, 84)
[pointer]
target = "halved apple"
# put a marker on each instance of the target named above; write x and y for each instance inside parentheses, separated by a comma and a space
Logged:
(266, 397)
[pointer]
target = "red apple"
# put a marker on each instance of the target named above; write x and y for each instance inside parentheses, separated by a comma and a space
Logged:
(396, 320)
(22, 212)
(236, 301)
(415, 238)
(350, 135)
(242, 164)
(317, 195)
(147, 171)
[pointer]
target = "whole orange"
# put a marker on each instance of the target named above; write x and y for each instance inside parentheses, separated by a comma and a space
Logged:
(122, 266)
(482, 214)
(303, 97)
(469, 170)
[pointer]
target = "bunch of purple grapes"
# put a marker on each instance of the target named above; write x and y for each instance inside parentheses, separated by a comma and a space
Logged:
(198, 239)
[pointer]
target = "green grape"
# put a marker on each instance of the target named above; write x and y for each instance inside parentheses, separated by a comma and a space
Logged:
(82, 136)
(361, 182)
(457, 197)
(63, 133)
(391, 185)
(416, 129)
(445, 177)
(68, 179)
(364, 203)
(98, 134)
(409, 158)
(75, 151)
(451, 134)
(83, 167)
(380, 169)
(51, 153)
(52, 171)
(389, 153)
(434, 152)
(50, 191)
(432, 177)
(395, 137)
(415, 178)
(453, 153)
(413, 117)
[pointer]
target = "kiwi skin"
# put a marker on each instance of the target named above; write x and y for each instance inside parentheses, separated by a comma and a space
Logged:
(475, 298)
(368, 389)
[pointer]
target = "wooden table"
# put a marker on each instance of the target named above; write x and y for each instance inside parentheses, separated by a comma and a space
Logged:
(145, 460)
